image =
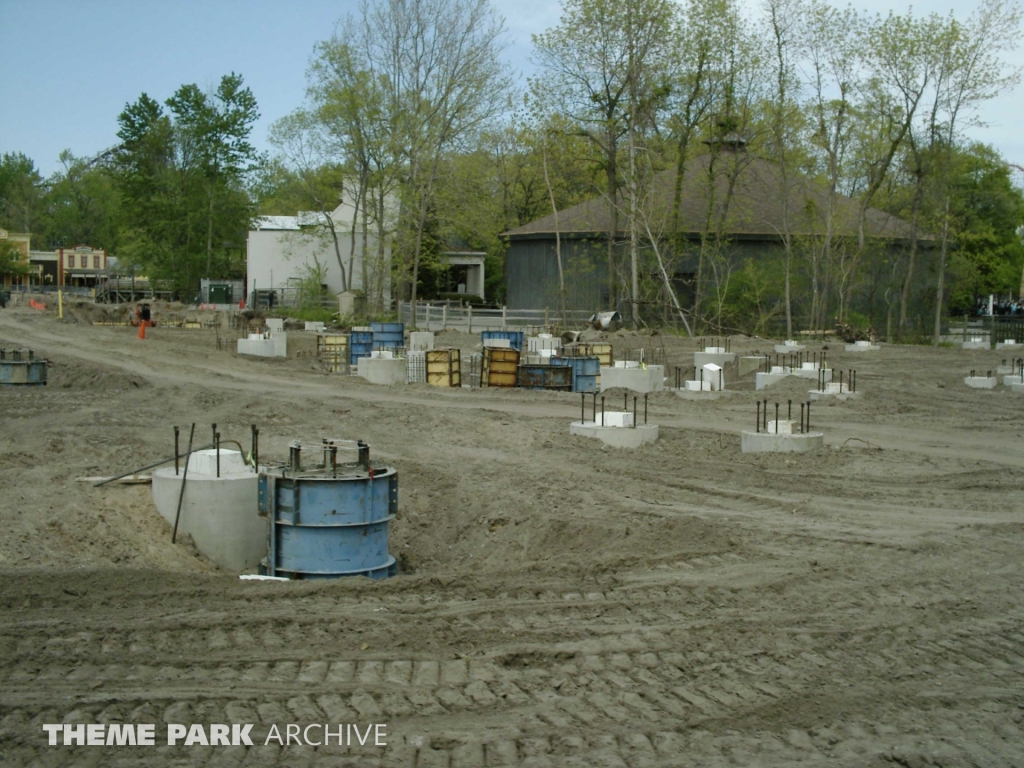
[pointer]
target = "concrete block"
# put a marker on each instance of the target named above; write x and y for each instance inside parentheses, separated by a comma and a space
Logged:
(421, 341)
(862, 346)
(714, 350)
(975, 344)
(543, 342)
(617, 437)
(261, 346)
(382, 354)
(379, 370)
(981, 382)
(762, 380)
(315, 325)
(275, 324)
(1017, 387)
(1009, 344)
(1012, 379)
(700, 359)
(750, 364)
(780, 427)
(768, 442)
(698, 386)
(220, 514)
(649, 379)
(615, 419)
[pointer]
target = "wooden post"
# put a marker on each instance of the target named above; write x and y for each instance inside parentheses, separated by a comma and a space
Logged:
(469, 308)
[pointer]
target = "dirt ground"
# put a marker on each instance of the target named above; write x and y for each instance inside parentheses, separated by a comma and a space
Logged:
(559, 603)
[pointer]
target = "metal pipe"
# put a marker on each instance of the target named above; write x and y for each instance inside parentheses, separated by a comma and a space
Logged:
(801, 418)
(808, 415)
(295, 457)
(255, 448)
(625, 401)
(757, 427)
(334, 460)
(853, 388)
(177, 449)
(776, 418)
(602, 410)
(364, 454)
(634, 411)
(184, 477)
(645, 408)
(216, 443)
(765, 414)
(789, 411)
(583, 407)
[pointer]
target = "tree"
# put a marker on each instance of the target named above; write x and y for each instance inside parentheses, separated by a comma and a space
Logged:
(82, 206)
(21, 192)
(182, 178)
(608, 66)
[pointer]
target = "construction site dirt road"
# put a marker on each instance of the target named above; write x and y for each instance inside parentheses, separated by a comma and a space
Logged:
(557, 603)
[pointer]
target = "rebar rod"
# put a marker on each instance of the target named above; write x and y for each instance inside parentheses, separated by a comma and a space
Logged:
(184, 477)
(757, 427)
(177, 450)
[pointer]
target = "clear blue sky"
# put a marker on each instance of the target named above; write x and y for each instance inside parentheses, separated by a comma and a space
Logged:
(68, 67)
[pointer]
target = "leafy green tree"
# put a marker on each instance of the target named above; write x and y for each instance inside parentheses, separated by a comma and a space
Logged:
(82, 206)
(182, 176)
(21, 193)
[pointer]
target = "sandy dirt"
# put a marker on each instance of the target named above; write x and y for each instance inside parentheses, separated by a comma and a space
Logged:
(558, 604)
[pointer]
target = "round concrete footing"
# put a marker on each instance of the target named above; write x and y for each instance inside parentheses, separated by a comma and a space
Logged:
(767, 442)
(219, 513)
(816, 394)
(617, 437)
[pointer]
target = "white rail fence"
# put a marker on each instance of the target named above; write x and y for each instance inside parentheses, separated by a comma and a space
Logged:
(442, 317)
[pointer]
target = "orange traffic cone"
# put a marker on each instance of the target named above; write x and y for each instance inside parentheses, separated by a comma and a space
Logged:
(142, 328)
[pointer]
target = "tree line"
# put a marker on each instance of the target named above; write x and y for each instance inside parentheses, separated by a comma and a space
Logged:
(412, 115)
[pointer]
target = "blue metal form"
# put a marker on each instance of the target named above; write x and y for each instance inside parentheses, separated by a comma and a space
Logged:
(330, 520)
(20, 367)
(515, 338)
(388, 335)
(585, 371)
(360, 344)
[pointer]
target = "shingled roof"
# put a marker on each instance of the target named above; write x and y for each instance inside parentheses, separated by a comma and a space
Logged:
(755, 210)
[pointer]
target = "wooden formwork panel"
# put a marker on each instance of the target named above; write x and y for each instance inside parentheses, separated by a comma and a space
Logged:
(331, 350)
(601, 350)
(500, 367)
(444, 367)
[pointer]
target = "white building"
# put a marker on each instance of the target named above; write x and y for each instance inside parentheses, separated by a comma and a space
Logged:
(282, 251)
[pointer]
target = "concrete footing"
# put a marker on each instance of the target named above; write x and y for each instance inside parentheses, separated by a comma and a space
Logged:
(862, 346)
(379, 370)
(812, 373)
(981, 382)
(698, 386)
(750, 364)
(769, 442)
(762, 380)
(617, 437)
(833, 392)
(789, 347)
(259, 345)
(700, 359)
(1009, 344)
(1012, 379)
(1016, 387)
(979, 344)
(219, 513)
(649, 379)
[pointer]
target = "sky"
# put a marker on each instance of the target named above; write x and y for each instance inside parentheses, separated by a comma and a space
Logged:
(69, 67)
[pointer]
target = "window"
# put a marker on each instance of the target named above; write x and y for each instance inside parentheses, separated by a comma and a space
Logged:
(71, 261)
(95, 262)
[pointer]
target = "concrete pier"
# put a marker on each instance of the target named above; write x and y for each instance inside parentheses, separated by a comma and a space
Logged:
(620, 436)
(219, 513)
(260, 345)
(386, 371)
(780, 438)
(981, 382)
(649, 379)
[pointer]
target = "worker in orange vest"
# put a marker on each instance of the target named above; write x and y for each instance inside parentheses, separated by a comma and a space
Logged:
(144, 319)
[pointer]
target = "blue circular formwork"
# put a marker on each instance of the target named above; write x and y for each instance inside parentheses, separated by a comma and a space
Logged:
(20, 367)
(324, 527)
(388, 335)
